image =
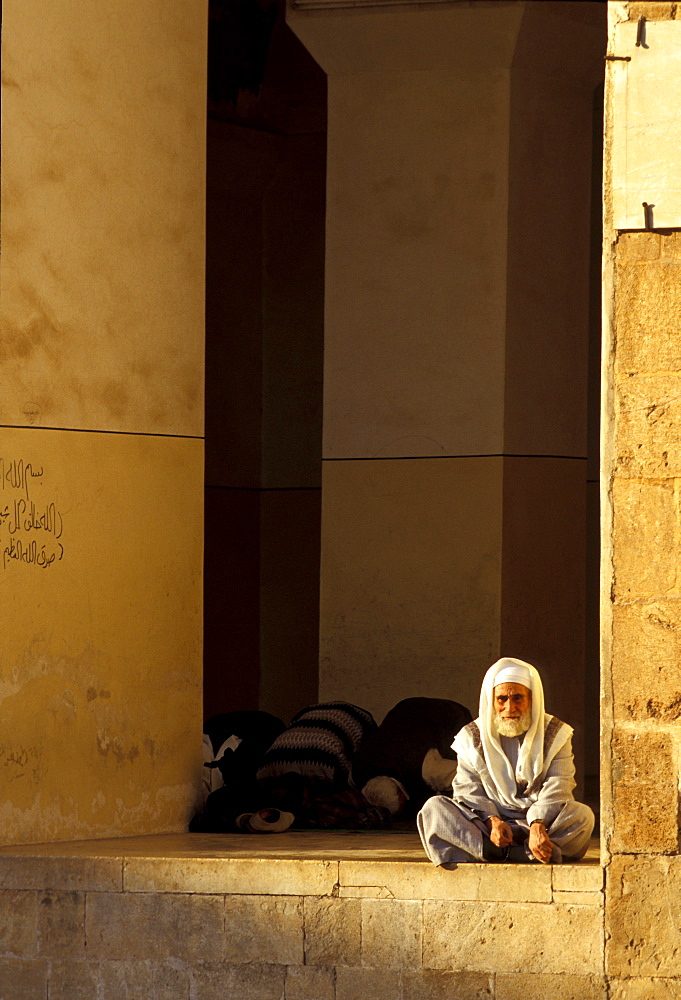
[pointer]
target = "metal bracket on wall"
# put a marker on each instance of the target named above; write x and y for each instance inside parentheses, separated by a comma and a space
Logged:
(640, 42)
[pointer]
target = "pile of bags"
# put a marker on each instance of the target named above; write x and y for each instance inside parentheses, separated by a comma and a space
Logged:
(331, 768)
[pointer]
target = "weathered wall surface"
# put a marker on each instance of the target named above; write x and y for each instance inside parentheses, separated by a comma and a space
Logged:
(642, 598)
(101, 450)
(99, 681)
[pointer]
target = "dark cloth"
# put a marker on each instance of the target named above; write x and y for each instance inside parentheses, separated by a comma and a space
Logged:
(223, 807)
(316, 805)
(304, 771)
(322, 809)
(397, 748)
(257, 731)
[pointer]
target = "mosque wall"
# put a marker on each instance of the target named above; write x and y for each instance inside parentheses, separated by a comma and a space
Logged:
(455, 344)
(101, 415)
(413, 348)
(641, 598)
(101, 436)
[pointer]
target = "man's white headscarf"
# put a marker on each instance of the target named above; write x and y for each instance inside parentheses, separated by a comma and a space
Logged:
(501, 784)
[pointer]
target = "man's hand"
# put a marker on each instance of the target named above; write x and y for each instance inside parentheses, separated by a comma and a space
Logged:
(500, 833)
(540, 843)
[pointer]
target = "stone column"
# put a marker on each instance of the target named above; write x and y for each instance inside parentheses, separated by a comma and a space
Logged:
(456, 321)
(264, 340)
(641, 594)
(101, 455)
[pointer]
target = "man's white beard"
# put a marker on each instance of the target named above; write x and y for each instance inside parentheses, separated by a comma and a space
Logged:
(513, 727)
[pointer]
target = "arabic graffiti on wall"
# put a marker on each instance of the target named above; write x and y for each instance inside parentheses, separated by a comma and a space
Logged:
(31, 526)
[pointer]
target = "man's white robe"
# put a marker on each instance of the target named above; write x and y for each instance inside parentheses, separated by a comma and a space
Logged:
(453, 829)
(520, 779)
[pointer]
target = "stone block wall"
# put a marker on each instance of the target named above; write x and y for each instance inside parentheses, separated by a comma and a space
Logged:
(642, 594)
(204, 928)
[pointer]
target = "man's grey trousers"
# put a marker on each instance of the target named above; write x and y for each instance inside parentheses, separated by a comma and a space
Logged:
(451, 836)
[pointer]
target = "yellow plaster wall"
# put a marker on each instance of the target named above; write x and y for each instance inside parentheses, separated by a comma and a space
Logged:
(99, 686)
(101, 367)
(103, 144)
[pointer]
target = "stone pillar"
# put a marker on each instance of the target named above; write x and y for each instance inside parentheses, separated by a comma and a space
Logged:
(641, 595)
(101, 456)
(263, 418)
(264, 340)
(456, 322)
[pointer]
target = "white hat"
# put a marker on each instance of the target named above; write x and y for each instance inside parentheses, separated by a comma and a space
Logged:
(513, 672)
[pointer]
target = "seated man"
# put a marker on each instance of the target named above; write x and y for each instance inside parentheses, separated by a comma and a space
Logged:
(512, 794)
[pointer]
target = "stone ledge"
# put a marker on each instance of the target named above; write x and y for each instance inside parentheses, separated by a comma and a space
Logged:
(61, 872)
(645, 989)
(421, 880)
(364, 865)
(251, 876)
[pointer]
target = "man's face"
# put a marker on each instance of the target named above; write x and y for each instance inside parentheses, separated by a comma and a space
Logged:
(513, 709)
(511, 700)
